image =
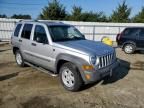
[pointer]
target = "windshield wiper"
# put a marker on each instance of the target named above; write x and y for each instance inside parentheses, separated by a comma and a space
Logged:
(64, 39)
(70, 39)
(78, 38)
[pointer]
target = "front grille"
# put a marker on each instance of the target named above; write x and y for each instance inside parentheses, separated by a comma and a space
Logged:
(106, 60)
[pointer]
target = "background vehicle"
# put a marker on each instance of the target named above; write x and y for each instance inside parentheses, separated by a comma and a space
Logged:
(63, 50)
(131, 39)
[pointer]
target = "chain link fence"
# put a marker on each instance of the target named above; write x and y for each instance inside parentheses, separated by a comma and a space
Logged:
(6, 28)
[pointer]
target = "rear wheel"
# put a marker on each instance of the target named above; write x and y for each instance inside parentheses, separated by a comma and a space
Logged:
(70, 77)
(19, 58)
(129, 48)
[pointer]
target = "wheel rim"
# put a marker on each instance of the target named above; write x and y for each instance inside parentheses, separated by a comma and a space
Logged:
(128, 49)
(68, 78)
(19, 58)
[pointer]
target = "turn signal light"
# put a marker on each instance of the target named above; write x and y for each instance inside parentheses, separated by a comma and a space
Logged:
(87, 67)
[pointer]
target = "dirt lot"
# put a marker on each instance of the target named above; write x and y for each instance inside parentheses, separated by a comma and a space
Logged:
(30, 88)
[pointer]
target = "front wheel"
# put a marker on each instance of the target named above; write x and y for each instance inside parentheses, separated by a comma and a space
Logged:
(129, 48)
(70, 77)
(19, 58)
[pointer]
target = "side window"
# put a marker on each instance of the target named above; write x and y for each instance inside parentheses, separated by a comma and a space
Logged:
(142, 33)
(73, 31)
(40, 34)
(17, 30)
(131, 32)
(26, 32)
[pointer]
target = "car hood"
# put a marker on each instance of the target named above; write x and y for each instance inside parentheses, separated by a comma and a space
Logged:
(87, 47)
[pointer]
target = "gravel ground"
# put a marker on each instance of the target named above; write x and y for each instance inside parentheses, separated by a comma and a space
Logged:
(30, 88)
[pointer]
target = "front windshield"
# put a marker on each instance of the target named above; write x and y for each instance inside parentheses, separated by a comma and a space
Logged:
(65, 33)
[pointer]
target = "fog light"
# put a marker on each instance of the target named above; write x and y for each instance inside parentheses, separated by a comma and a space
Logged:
(87, 67)
(88, 76)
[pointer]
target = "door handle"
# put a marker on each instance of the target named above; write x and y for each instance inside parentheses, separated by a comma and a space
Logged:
(33, 44)
(20, 40)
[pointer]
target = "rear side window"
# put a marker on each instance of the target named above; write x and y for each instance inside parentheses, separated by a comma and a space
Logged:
(142, 33)
(131, 31)
(17, 30)
(26, 32)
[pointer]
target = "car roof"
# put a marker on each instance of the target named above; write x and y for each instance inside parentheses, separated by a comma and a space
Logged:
(134, 27)
(55, 24)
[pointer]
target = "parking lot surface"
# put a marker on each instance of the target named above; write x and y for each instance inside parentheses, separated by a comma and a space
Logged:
(30, 88)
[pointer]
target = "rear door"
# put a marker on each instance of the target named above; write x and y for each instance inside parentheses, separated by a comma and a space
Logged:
(25, 41)
(15, 35)
(42, 51)
(131, 35)
(141, 39)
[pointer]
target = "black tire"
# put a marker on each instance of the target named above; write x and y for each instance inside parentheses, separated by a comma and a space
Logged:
(78, 82)
(21, 64)
(131, 48)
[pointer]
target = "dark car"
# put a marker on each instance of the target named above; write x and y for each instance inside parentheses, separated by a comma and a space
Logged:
(131, 39)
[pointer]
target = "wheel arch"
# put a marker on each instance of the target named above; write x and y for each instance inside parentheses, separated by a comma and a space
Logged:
(63, 58)
(15, 49)
(128, 42)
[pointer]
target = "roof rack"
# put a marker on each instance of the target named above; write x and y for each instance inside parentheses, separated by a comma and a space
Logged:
(50, 21)
(28, 20)
(43, 21)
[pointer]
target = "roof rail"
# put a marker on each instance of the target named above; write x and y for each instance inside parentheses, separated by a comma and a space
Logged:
(27, 20)
(50, 21)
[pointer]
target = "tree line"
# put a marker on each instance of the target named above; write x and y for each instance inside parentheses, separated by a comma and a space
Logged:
(57, 11)
(17, 16)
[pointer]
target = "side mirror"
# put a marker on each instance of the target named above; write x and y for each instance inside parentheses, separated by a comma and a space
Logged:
(38, 39)
(84, 36)
(45, 41)
(42, 40)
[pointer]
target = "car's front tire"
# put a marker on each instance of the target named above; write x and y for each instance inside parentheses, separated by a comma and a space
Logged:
(70, 77)
(19, 59)
(129, 48)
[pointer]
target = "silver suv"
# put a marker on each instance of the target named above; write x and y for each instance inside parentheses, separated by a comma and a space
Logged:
(60, 49)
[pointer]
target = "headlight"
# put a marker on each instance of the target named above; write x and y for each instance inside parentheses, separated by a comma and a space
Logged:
(94, 60)
(97, 60)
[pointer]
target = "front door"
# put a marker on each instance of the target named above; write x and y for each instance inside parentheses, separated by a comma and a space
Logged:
(42, 51)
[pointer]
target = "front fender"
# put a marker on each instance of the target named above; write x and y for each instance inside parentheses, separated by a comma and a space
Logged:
(75, 60)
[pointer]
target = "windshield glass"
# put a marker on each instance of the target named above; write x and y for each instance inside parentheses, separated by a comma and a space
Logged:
(65, 33)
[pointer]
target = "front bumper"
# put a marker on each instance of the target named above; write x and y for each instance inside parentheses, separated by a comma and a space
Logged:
(96, 75)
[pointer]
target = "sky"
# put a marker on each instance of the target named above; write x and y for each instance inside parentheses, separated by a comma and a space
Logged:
(34, 7)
